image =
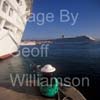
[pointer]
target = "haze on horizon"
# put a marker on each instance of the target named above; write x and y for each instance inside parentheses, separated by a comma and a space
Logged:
(88, 21)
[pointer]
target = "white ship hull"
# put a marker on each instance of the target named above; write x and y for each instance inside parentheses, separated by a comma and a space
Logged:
(13, 18)
(8, 44)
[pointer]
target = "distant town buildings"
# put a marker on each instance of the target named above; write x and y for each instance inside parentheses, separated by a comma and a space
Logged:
(35, 42)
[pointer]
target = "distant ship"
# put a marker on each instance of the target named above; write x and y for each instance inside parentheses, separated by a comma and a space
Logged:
(62, 40)
(74, 40)
(13, 18)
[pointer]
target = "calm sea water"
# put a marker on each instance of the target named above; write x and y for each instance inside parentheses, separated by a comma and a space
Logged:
(74, 60)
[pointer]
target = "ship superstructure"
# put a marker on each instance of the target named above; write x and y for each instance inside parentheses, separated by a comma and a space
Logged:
(13, 18)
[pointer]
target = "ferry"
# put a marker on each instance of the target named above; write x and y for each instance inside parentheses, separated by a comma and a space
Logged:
(14, 15)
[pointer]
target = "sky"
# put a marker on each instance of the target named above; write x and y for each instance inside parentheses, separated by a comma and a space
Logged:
(85, 14)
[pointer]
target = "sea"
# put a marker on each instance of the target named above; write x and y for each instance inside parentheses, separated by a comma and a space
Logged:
(71, 60)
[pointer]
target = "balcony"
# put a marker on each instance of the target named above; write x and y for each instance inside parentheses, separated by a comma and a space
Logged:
(5, 7)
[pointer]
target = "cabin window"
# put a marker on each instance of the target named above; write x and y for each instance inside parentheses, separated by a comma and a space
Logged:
(27, 9)
(0, 2)
(0, 22)
(5, 7)
(11, 12)
(8, 26)
(19, 2)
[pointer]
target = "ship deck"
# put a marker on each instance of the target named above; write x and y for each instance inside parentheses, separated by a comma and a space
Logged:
(32, 93)
(9, 94)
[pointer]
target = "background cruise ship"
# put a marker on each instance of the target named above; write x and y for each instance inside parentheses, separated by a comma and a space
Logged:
(13, 18)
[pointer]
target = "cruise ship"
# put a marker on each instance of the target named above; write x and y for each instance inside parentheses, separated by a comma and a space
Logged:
(14, 15)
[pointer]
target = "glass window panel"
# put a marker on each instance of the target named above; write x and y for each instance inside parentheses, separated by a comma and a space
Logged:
(5, 7)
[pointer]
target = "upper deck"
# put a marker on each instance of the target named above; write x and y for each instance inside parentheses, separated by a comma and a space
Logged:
(13, 16)
(18, 10)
